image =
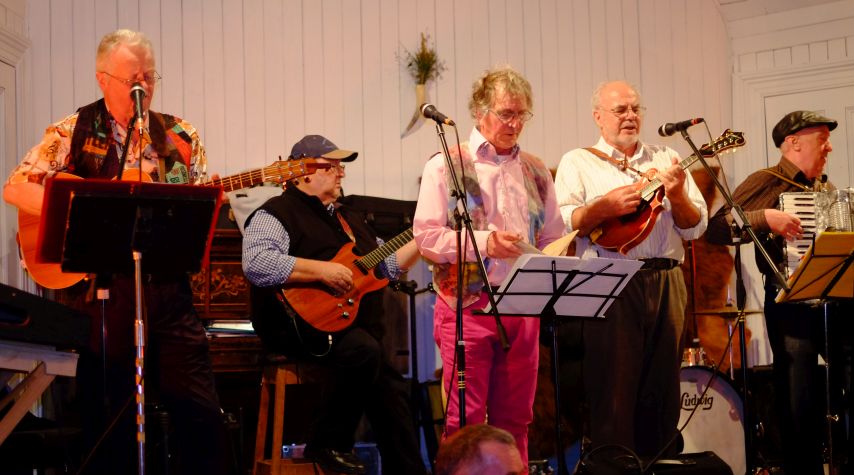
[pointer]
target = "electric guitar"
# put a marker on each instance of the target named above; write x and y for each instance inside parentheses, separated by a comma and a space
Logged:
(317, 306)
(50, 275)
(625, 232)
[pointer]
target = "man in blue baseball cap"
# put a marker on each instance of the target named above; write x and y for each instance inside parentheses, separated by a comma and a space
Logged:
(293, 238)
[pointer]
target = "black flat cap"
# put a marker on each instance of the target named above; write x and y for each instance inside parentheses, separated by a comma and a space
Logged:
(797, 120)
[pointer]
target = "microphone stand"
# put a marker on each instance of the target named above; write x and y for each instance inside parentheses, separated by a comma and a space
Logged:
(463, 218)
(126, 146)
(740, 220)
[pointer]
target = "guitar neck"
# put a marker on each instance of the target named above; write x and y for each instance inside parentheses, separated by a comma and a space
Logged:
(654, 184)
(236, 182)
(371, 259)
(279, 172)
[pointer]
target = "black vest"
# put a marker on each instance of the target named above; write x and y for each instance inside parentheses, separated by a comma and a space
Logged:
(93, 149)
(314, 234)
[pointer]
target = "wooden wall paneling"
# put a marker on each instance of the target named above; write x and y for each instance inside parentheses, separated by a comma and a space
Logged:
(390, 118)
(597, 39)
(353, 99)
(254, 95)
(213, 77)
(446, 88)
(314, 48)
(692, 103)
(684, 60)
(365, 177)
(288, 84)
(193, 85)
(583, 75)
(497, 29)
(170, 63)
(333, 69)
(410, 27)
(149, 22)
(568, 96)
(533, 136)
(612, 35)
(234, 91)
(128, 14)
(106, 17)
(631, 43)
(84, 46)
(466, 66)
(61, 58)
(550, 120)
(39, 69)
(425, 137)
(277, 77)
(515, 37)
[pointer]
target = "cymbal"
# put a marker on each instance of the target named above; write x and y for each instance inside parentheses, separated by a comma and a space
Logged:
(725, 311)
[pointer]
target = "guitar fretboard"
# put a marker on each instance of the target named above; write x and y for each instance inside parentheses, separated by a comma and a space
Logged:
(371, 259)
(726, 141)
(279, 172)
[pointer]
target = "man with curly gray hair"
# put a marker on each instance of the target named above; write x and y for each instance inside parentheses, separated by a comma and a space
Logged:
(511, 198)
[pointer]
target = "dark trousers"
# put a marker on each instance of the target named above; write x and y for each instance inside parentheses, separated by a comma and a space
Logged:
(631, 364)
(796, 335)
(177, 375)
(363, 382)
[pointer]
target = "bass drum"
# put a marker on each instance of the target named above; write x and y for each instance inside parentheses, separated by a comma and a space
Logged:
(718, 423)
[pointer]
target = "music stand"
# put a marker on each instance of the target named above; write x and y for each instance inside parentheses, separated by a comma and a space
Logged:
(825, 272)
(555, 287)
(105, 226)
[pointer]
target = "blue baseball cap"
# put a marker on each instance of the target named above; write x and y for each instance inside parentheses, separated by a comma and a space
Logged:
(318, 146)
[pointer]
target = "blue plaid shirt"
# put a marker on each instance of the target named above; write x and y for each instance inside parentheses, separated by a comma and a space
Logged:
(266, 247)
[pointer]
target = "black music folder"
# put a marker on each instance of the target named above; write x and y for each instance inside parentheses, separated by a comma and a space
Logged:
(95, 225)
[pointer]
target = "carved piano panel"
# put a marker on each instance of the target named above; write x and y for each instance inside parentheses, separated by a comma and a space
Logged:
(220, 291)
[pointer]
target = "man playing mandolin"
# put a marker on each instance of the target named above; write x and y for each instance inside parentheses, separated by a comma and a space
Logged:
(632, 357)
(301, 240)
(89, 144)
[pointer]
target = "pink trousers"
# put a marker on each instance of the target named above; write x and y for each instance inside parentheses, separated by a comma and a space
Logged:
(499, 386)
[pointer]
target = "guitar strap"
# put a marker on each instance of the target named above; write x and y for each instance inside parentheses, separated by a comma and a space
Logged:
(622, 165)
(347, 228)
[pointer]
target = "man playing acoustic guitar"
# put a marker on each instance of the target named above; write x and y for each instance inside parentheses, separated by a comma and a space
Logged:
(89, 144)
(632, 357)
(301, 241)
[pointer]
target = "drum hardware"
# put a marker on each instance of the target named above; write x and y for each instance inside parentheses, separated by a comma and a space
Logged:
(730, 313)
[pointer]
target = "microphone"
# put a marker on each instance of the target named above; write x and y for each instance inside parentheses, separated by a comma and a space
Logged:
(667, 130)
(137, 94)
(429, 111)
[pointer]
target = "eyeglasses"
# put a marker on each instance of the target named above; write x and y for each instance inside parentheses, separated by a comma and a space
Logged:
(623, 111)
(506, 116)
(335, 168)
(150, 78)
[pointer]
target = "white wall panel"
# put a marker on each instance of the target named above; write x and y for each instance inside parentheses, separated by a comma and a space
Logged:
(256, 75)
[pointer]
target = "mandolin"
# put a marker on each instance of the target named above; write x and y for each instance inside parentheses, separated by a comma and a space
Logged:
(623, 233)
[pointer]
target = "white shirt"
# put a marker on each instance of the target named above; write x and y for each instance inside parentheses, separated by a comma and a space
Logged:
(583, 177)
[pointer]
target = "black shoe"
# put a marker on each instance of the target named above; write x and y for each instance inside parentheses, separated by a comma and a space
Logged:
(333, 460)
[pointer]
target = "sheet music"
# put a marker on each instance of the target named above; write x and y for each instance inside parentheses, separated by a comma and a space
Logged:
(530, 285)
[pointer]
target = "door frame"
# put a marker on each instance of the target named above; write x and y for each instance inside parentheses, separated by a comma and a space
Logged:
(749, 91)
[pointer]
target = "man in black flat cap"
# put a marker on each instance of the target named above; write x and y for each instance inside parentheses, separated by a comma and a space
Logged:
(291, 239)
(795, 330)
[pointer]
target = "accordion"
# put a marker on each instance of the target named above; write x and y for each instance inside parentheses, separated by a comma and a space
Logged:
(818, 211)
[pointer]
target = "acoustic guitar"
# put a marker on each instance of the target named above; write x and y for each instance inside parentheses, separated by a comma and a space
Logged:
(317, 306)
(51, 276)
(623, 233)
